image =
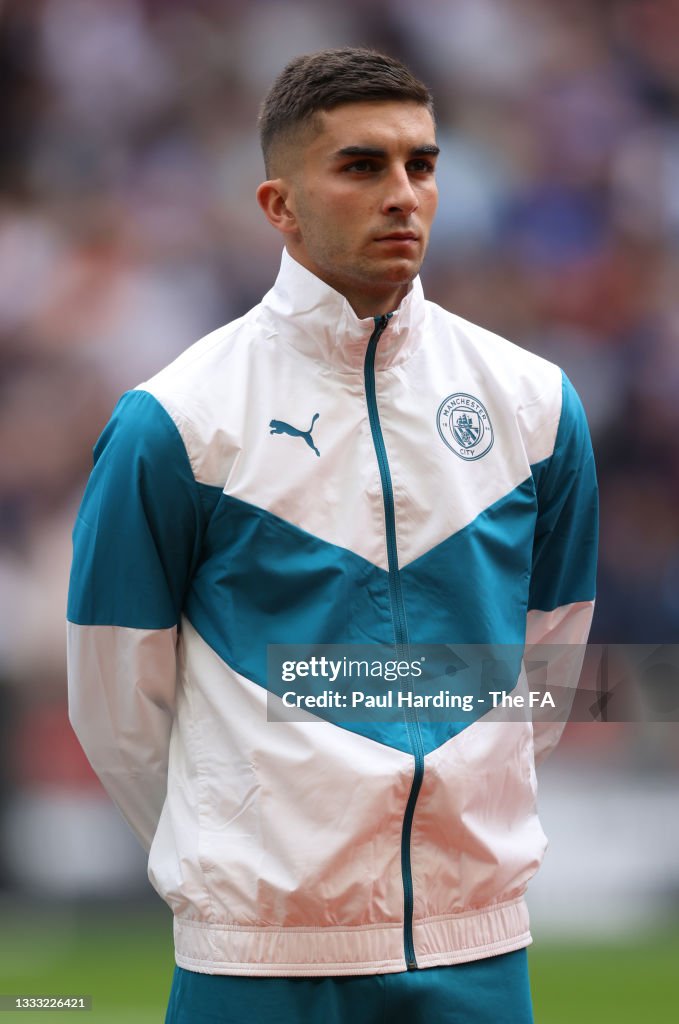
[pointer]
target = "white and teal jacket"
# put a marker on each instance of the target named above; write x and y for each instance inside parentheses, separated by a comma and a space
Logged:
(425, 481)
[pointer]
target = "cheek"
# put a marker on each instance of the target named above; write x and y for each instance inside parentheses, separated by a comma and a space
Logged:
(330, 220)
(338, 220)
(428, 205)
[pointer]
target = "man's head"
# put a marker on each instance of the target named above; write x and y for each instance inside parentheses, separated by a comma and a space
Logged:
(349, 147)
(322, 81)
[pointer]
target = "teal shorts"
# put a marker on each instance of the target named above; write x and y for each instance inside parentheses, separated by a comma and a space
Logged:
(491, 991)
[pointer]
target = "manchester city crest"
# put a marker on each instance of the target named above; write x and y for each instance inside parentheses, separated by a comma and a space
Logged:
(465, 426)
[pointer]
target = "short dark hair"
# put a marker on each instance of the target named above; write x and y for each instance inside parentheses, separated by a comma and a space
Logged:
(327, 79)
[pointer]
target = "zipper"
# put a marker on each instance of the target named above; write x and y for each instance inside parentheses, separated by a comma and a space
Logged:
(400, 633)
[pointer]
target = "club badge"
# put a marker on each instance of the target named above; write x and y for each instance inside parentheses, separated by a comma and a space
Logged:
(465, 427)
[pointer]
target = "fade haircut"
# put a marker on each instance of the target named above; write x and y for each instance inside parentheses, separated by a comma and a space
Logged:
(327, 79)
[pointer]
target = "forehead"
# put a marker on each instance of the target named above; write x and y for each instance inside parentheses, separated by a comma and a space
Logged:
(386, 124)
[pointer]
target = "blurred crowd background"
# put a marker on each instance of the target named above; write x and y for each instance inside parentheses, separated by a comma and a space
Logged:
(128, 228)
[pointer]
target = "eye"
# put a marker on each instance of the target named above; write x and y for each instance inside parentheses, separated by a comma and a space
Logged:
(361, 166)
(421, 166)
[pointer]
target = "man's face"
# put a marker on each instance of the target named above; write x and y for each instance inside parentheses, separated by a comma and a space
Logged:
(362, 195)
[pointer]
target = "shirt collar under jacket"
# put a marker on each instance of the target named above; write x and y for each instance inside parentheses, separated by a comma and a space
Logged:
(319, 322)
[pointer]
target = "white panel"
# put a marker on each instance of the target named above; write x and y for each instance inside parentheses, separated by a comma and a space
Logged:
(438, 493)
(300, 822)
(121, 685)
(477, 839)
(567, 628)
(223, 409)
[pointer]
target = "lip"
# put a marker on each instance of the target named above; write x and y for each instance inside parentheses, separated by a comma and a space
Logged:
(399, 236)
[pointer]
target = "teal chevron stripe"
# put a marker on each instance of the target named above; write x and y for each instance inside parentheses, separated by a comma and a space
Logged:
(472, 587)
(264, 581)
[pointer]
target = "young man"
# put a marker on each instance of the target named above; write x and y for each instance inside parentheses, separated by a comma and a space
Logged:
(347, 463)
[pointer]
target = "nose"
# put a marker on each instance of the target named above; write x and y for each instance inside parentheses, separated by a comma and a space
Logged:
(400, 196)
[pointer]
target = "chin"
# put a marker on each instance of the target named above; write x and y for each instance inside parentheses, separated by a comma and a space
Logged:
(403, 271)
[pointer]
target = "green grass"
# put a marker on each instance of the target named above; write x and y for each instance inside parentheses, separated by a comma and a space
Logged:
(623, 982)
(123, 959)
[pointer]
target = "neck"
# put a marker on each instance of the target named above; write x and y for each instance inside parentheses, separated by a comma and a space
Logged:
(377, 305)
(365, 302)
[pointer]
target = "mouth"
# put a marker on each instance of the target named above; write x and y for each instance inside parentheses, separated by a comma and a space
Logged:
(399, 236)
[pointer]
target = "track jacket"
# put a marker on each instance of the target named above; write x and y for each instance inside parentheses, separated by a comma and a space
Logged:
(302, 475)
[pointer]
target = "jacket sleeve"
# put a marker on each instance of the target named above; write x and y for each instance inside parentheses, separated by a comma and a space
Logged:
(563, 578)
(135, 544)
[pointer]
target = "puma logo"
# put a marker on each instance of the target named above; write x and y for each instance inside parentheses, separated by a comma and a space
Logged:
(279, 427)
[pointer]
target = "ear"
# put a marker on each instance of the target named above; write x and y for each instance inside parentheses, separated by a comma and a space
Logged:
(272, 196)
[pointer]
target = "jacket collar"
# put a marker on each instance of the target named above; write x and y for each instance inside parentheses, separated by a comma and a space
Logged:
(319, 322)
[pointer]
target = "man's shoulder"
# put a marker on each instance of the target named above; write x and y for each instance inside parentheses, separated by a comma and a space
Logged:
(524, 386)
(490, 349)
(201, 391)
(204, 361)
(523, 377)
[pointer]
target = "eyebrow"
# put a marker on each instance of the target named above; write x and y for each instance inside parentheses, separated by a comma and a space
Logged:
(374, 151)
